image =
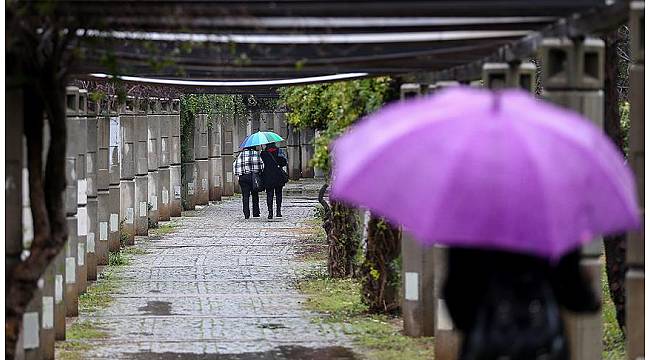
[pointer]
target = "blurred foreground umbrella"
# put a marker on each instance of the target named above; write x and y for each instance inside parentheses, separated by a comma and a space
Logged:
(260, 138)
(472, 168)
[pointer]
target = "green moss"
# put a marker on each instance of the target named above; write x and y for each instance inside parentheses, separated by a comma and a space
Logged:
(613, 339)
(77, 337)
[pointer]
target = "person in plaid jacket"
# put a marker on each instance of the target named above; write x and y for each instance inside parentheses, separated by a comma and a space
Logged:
(248, 162)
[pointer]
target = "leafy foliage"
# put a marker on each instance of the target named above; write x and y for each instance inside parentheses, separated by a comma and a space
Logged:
(331, 108)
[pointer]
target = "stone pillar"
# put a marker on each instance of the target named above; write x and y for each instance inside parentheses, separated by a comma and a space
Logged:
(81, 145)
(188, 174)
(307, 152)
(215, 174)
(91, 187)
(431, 89)
(227, 154)
(174, 111)
(103, 179)
(153, 124)
(72, 132)
(635, 275)
(294, 156)
(515, 75)
(573, 77)
(201, 159)
(48, 335)
(164, 160)
(318, 173)
(128, 144)
(240, 128)
(142, 153)
(114, 170)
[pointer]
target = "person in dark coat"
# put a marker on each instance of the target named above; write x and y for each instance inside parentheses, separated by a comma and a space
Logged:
(273, 177)
(507, 305)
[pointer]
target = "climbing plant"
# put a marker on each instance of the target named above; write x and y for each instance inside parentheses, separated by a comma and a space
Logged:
(332, 108)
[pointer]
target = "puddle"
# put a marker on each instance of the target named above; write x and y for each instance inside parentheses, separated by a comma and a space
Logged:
(157, 308)
(271, 326)
(279, 353)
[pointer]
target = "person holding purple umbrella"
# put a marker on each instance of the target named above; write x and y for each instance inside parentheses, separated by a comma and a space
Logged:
(514, 187)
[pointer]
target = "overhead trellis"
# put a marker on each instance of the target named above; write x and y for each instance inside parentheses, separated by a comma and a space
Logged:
(263, 40)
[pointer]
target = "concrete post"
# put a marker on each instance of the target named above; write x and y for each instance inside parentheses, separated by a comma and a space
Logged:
(114, 170)
(175, 156)
(307, 152)
(294, 157)
(240, 129)
(103, 179)
(91, 186)
(201, 159)
(71, 289)
(164, 119)
(128, 143)
(82, 193)
(48, 335)
(515, 75)
(418, 303)
(215, 174)
(227, 154)
(188, 173)
(440, 85)
(635, 275)
(142, 191)
(153, 131)
(573, 77)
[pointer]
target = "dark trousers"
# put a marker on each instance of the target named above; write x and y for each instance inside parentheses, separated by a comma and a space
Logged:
(278, 197)
(247, 191)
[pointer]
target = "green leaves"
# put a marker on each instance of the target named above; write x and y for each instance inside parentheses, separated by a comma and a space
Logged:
(331, 108)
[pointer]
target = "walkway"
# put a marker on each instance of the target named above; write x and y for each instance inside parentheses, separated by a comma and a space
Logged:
(220, 285)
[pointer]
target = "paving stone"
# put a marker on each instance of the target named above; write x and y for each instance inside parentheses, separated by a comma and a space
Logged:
(220, 285)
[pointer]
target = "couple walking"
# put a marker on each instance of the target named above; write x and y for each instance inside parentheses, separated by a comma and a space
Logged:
(259, 172)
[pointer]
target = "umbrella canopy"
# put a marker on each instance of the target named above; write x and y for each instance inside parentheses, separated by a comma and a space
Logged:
(472, 168)
(260, 138)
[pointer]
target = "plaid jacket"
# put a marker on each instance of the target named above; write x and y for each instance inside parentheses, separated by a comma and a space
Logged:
(248, 161)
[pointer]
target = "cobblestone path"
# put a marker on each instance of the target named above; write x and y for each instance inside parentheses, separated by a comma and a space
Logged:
(219, 287)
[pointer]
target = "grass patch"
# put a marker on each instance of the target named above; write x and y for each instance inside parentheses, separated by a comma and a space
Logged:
(164, 229)
(124, 256)
(613, 339)
(76, 343)
(379, 336)
(99, 295)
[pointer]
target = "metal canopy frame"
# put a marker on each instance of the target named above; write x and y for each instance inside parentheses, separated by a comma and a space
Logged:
(259, 40)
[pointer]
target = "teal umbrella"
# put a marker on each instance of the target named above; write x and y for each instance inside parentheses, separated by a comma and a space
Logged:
(260, 138)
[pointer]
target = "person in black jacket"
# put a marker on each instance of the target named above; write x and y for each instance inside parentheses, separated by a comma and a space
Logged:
(273, 177)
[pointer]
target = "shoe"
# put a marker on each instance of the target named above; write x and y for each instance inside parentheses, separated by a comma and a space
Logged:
(278, 213)
(270, 216)
(258, 215)
(246, 217)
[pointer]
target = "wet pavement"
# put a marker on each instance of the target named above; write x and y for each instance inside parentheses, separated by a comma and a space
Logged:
(220, 287)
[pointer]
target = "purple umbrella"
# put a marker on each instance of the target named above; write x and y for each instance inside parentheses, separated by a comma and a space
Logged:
(473, 168)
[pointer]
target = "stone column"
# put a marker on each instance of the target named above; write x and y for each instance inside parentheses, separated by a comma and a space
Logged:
(114, 170)
(142, 153)
(164, 119)
(128, 144)
(188, 174)
(515, 75)
(635, 275)
(227, 154)
(174, 110)
(418, 302)
(153, 124)
(201, 159)
(103, 179)
(573, 77)
(71, 193)
(215, 174)
(280, 127)
(82, 193)
(307, 152)
(293, 153)
(240, 128)
(91, 187)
